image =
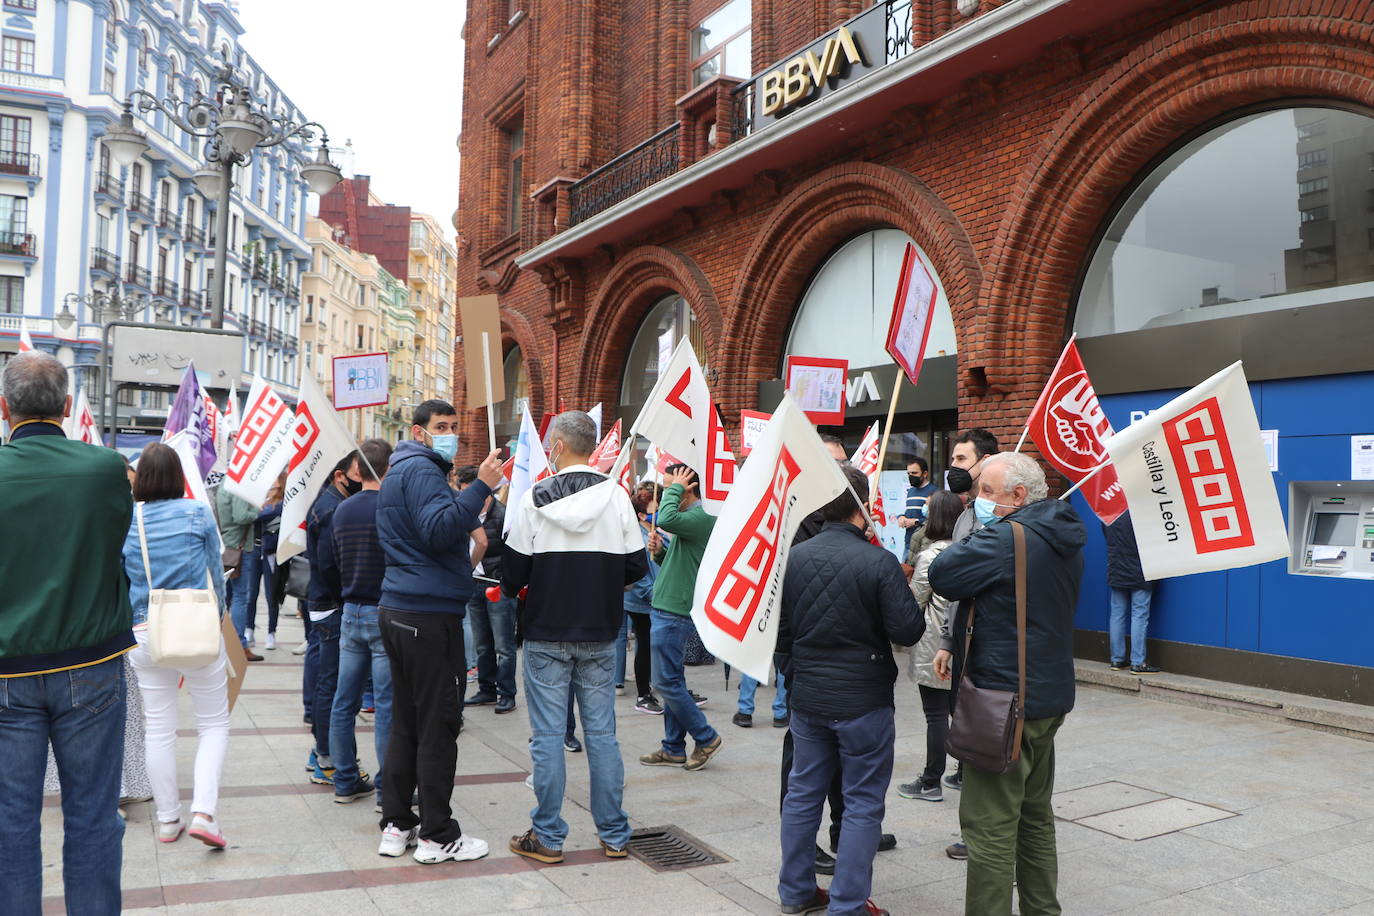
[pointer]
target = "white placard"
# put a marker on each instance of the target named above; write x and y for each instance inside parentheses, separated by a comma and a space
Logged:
(1271, 447)
(360, 381)
(1362, 457)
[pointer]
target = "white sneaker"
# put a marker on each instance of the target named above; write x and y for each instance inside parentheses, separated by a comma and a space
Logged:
(464, 849)
(300, 650)
(207, 831)
(396, 841)
(170, 831)
(248, 634)
(529, 782)
(271, 641)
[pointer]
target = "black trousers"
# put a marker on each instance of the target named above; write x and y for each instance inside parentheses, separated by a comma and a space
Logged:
(835, 793)
(935, 704)
(643, 658)
(427, 664)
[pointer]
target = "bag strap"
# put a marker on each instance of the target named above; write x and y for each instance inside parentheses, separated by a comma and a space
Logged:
(143, 545)
(1018, 533)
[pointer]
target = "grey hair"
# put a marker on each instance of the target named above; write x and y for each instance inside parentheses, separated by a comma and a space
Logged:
(35, 387)
(577, 430)
(1022, 471)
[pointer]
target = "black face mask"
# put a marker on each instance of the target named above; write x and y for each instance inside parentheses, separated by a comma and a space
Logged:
(352, 486)
(914, 480)
(959, 480)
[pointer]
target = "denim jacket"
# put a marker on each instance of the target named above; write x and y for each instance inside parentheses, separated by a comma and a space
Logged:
(639, 597)
(183, 542)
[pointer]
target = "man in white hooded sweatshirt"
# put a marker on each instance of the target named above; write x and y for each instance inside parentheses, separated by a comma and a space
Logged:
(575, 543)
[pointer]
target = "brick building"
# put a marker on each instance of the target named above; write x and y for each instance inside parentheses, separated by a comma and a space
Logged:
(1180, 183)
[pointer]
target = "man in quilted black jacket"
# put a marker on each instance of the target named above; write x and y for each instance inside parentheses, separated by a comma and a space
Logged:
(844, 603)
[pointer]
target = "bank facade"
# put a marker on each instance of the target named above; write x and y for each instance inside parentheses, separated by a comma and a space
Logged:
(1179, 184)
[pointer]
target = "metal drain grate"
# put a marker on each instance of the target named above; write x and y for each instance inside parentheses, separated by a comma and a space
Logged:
(672, 849)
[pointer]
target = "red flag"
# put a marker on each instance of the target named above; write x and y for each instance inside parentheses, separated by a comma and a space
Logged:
(604, 457)
(1068, 427)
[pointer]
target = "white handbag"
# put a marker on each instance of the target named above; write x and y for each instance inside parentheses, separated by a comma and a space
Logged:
(183, 623)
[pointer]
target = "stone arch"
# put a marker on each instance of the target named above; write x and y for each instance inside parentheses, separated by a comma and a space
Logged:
(817, 216)
(517, 330)
(640, 278)
(1221, 62)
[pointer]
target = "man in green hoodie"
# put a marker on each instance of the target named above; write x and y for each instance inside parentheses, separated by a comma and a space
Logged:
(681, 514)
(65, 621)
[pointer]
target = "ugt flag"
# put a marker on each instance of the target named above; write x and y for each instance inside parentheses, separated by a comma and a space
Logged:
(866, 460)
(607, 451)
(531, 466)
(263, 445)
(680, 418)
(738, 599)
(1068, 427)
(188, 413)
(81, 424)
(319, 441)
(1198, 482)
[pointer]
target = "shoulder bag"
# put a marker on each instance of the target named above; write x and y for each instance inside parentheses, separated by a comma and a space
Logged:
(183, 623)
(985, 731)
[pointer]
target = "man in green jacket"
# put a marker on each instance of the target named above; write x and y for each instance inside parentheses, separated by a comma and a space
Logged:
(681, 514)
(65, 623)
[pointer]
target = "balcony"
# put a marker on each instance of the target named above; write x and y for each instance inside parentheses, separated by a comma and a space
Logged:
(168, 289)
(275, 336)
(277, 281)
(27, 6)
(22, 165)
(141, 206)
(625, 175)
(257, 328)
(193, 236)
(293, 292)
(259, 271)
(18, 244)
(109, 189)
(139, 277)
(104, 262)
(168, 223)
(194, 301)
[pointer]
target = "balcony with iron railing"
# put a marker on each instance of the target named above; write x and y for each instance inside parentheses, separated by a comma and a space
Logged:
(625, 175)
(168, 223)
(275, 336)
(293, 292)
(104, 262)
(193, 236)
(27, 6)
(109, 187)
(259, 271)
(277, 281)
(140, 205)
(194, 301)
(23, 164)
(140, 277)
(167, 289)
(18, 245)
(257, 328)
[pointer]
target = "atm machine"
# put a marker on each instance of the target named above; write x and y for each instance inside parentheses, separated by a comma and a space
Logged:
(1331, 528)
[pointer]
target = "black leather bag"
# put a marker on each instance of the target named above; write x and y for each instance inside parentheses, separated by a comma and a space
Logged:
(985, 731)
(296, 574)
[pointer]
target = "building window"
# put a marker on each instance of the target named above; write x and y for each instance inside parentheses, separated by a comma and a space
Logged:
(668, 322)
(102, 232)
(136, 178)
(721, 43)
(515, 147)
(18, 54)
(12, 295)
(143, 50)
(108, 83)
(191, 213)
(15, 134)
(14, 216)
(1312, 129)
(1201, 231)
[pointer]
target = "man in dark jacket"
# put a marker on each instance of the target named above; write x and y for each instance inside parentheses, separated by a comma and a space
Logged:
(844, 603)
(492, 622)
(423, 525)
(1006, 818)
(575, 543)
(65, 620)
(1131, 596)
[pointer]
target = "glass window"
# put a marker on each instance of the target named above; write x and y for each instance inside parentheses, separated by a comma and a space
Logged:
(509, 411)
(669, 321)
(12, 295)
(515, 141)
(18, 54)
(14, 214)
(721, 43)
(1247, 218)
(108, 83)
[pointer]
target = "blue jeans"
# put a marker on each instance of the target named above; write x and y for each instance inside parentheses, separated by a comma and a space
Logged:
(311, 665)
(324, 635)
(258, 577)
(469, 651)
(680, 714)
(747, 688)
(237, 589)
(622, 642)
(360, 652)
(493, 632)
(1137, 600)
(861, 750)
(553, 670)
(82, 713)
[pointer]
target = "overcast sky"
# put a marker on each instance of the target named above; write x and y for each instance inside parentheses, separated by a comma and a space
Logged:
(387, 76)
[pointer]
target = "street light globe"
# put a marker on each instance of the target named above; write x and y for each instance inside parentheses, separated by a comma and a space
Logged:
(321, 175)
(209, 181)
(124, 141)
(239, 135)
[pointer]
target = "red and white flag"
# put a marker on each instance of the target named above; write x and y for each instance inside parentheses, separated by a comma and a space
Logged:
(866, 460)
(319, 441)
(608, 451)
(531, 466)
(263, 445)
(738, 598)
(25, 341)
(180, 442)
(679, 417)
(81, 424)
(1198, 482)
(1069, 427)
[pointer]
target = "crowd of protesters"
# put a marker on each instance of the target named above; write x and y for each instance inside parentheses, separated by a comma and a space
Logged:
(408, 556)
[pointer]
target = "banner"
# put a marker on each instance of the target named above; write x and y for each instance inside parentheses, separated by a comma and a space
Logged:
(752, 423)
(263, 445)
(1068, 426)
(81, 424)
(680, 418)
(738, 596)
(319, 440)
(1198, 483)
(361, 381)
(817, 385)
(188, 413)
(606, 453)
(912, 312)
(531, 466)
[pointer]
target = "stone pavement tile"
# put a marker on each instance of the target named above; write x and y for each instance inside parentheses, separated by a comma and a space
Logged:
(510, 893)
(747, 899)
(352, 902)
(1287, 890)
(1098, 799)
(1262, 824)
(1154, 818)
(1320, 842)
(1177, 862)
(624, 879)
(1354, 865)
(190, 862)
(1175, 906)
(1110, 898)
(937, 898)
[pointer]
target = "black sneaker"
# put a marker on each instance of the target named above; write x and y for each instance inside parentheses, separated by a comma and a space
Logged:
(957, 851)
(480, 699)
(697, 698)
(505, 705)
(572, 745)
(953, 780)
(361, 789)
(825, 865)
(649, 704)
(1144, 669)
(782, 721)
(743, 720)
(819, 902)
(1120, 666)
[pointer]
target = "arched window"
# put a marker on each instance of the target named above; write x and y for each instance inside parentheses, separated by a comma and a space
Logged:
(508, 413)
(1271, 211)
(667, 322)
(143, 51)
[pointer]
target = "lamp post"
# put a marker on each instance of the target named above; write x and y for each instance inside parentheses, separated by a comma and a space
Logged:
(233, 126)
(104, 309)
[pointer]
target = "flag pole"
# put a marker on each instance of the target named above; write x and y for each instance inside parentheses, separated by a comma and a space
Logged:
(887, 430)
(1053, 372)
(486, 364)
(1086, 477)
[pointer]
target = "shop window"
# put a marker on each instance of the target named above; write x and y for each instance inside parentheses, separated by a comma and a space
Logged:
(668, 322)
(721, 43)
(1223, 227)
(17, 53)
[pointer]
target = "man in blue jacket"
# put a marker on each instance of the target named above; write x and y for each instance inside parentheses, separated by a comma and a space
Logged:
(423, 525)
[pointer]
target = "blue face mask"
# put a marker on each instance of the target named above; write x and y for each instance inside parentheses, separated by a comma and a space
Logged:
(446, 445)
(985, 510)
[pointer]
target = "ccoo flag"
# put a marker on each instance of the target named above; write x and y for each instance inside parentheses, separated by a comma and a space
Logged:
(788, 475)
(319, 441)
(81, 424)
(1198, 482)
(263, 445)
(607, 451)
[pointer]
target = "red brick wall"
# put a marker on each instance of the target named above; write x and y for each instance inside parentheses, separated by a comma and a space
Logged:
(383, 232)
(1004, 183)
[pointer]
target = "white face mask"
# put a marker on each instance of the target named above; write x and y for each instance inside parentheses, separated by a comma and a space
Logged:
(553, 461)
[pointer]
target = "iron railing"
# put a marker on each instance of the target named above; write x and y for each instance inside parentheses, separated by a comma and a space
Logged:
(259, 271)
(105, 261)
(13, 162)
(168, 220)
(293, 291)
(277, 281)
(20, 243)
(168, 289)
(140, 203)
(140, 277)
(26, 5)
(275, 336)
(109, 185)
(258, 328)
(625, 175)
(193, 300)
(193, 235)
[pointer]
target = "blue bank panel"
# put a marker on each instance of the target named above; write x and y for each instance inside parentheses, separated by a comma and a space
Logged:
(1262, 608)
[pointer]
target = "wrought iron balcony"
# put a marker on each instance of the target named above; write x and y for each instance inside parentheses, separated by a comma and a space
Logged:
(140, 277)
(106, 262)
(141, 205)
(257, 328)
(27, 6)
(625, 175)
(168, 289)
(277, 281)
(293, 292)
(169, 221)
(259, 271)
(275, 336)
(107, 185)
(193, 300)
(22, 244)
(193, 236)
(13, 162)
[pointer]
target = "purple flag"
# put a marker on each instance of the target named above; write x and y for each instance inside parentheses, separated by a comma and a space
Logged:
(188, 413)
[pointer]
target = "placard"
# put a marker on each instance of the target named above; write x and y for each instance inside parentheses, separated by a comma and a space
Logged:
(912, 311)
(159, 355)
(361, 381)
(751, 425)
(818, 386)
(478, 314)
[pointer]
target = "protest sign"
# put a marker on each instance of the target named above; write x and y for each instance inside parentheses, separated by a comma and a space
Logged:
(263, 445)
(361, 380)
(818, 386)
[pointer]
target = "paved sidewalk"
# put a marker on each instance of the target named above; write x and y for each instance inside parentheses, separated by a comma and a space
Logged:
(1165, 809)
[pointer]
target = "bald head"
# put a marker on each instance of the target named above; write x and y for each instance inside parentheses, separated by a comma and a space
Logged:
(35, 386)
